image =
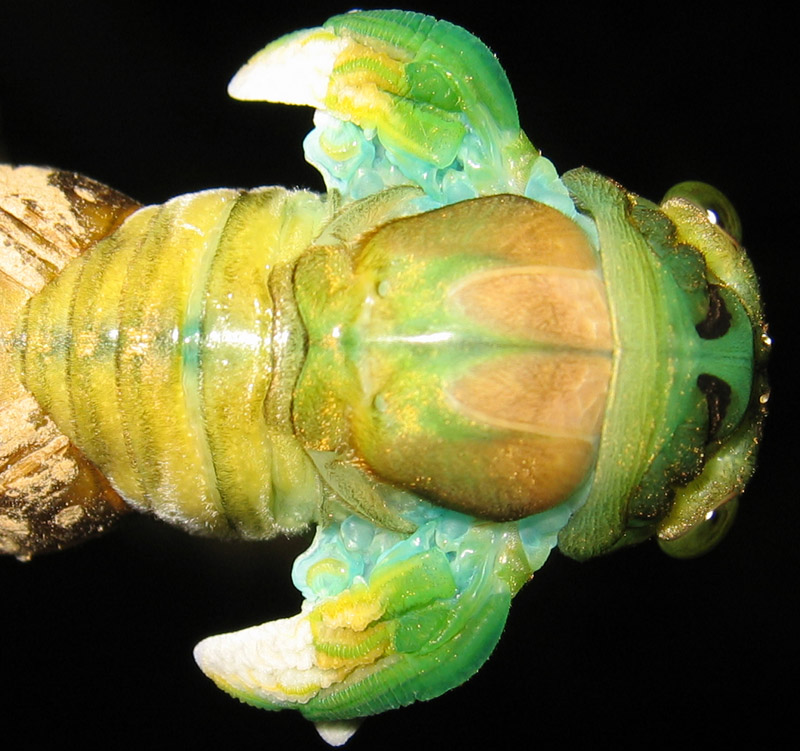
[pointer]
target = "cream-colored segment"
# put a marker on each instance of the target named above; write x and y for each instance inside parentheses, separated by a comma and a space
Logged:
(337, 732)
(236, 363)
(295, 481)
(295, 69)
(274, 663)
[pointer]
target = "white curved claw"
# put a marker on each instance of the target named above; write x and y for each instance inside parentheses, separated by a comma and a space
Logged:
(294, 70)
(337, 732)
(268, 665)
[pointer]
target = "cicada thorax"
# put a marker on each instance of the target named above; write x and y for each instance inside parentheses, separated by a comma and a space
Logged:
(168, 353)
(491, 358)
(465, 354)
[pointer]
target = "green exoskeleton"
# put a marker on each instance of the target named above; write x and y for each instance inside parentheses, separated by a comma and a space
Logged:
(452, 362)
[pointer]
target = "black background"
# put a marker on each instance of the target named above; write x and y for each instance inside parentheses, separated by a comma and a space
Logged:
(633, 649)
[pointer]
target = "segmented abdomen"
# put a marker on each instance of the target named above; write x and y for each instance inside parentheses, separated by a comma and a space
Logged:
(155, 351)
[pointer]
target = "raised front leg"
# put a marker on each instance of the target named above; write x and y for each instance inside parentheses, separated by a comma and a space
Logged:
(387, 620)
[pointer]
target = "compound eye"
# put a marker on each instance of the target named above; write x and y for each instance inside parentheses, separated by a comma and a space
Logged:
(705, 535)
(718, 208)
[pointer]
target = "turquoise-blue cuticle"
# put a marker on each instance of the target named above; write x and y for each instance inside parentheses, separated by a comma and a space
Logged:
(358, 547)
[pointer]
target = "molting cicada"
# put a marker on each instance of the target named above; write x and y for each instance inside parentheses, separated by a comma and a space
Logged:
(452, 362)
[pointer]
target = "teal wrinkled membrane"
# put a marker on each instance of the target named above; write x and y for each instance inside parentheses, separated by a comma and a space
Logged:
(478, 170)
(353, 548)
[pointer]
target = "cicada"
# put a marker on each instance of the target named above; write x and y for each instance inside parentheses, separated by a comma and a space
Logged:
(450, 363)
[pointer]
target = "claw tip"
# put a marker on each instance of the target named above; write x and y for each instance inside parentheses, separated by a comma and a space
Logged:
(337, 732)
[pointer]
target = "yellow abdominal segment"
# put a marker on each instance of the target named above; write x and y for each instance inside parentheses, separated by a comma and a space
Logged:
(154, 352)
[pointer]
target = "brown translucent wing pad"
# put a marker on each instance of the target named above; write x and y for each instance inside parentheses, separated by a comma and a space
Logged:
(51, 496)
(555, 306)
(554, 397)
(551, 397)
(549, 408)
(561, 394)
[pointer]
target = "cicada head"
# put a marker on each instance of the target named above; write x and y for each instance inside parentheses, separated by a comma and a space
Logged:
(684, 415)
(705, 508)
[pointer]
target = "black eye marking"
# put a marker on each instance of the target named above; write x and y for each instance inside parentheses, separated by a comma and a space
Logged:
(718, 398)
(718, 319)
